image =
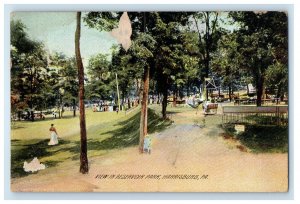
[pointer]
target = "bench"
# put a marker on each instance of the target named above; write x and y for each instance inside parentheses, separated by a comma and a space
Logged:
(210, 108)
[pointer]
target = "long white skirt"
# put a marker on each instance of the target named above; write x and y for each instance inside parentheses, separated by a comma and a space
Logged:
(53, 139)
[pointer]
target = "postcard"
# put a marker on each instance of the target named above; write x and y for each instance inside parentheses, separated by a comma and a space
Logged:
(149, 101)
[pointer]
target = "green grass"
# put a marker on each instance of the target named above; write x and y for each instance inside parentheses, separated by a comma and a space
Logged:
(105, 131)
(68, 125)
(266, 119)
(262, 138)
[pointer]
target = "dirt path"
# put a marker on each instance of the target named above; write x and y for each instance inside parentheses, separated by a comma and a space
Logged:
(183, 149)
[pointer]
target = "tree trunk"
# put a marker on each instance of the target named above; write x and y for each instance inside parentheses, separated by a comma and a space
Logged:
(74, 108)
(144, 110)
(62, 111)
(229, 90)
(278, 94)
(165, 102)
(259, 90)
(58, 108)
(138, 88)
(128, 102)
(83, 139)
(140, 91)
(207, 49)
(32, 115)
(158, 99)
(174, 97)
(19, 115)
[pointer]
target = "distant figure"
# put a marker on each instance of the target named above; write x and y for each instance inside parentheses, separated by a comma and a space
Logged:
(147, 144)
(53, 136)
(117, 110)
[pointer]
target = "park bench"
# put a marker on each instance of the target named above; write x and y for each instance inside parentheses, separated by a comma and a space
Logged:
(210, 108)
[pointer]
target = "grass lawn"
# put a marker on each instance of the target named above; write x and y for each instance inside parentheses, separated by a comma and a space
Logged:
(68, 125)
(105, 131)
(261, 138)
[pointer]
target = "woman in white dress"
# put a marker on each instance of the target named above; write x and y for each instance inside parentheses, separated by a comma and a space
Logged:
(53, 136)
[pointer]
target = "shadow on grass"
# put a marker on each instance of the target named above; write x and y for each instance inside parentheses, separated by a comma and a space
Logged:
(262, 138)
(124, 136)
(26, 152)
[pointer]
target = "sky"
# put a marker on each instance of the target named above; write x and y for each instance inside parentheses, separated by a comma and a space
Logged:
(57, 31)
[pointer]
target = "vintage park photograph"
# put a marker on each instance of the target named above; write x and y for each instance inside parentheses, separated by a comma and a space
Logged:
(149, 101)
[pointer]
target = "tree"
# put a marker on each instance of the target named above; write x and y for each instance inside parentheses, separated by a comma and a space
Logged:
(263, 40)
(143, 47)
(84, 168)
(107, 21)
(277, 79)
(206, 24)
(29, 71)
(130, 70)
(170, 56)
(70, 83)
(225, 62)
(190, 60)
(58, 61)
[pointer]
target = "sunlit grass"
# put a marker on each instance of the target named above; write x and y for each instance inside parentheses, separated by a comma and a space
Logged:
(68, 125)
(105, 131)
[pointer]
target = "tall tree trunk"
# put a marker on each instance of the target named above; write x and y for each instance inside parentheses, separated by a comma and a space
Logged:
(137, 91)
(62, 111)
(229, 90)
(144, 111)
(259, 90)
(279, 94)
(83, 139)
(207, 48)
(74, 108)
(174, 97)
(165, 102)
(128, 102)
(31, 102)
(158, 98)
(19, 115)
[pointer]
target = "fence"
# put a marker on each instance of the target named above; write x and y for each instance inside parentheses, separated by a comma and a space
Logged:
(265, 115)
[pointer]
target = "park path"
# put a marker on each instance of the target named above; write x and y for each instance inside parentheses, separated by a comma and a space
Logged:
(185, 148)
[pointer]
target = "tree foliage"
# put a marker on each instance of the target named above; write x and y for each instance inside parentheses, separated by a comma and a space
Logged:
(263, 36)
